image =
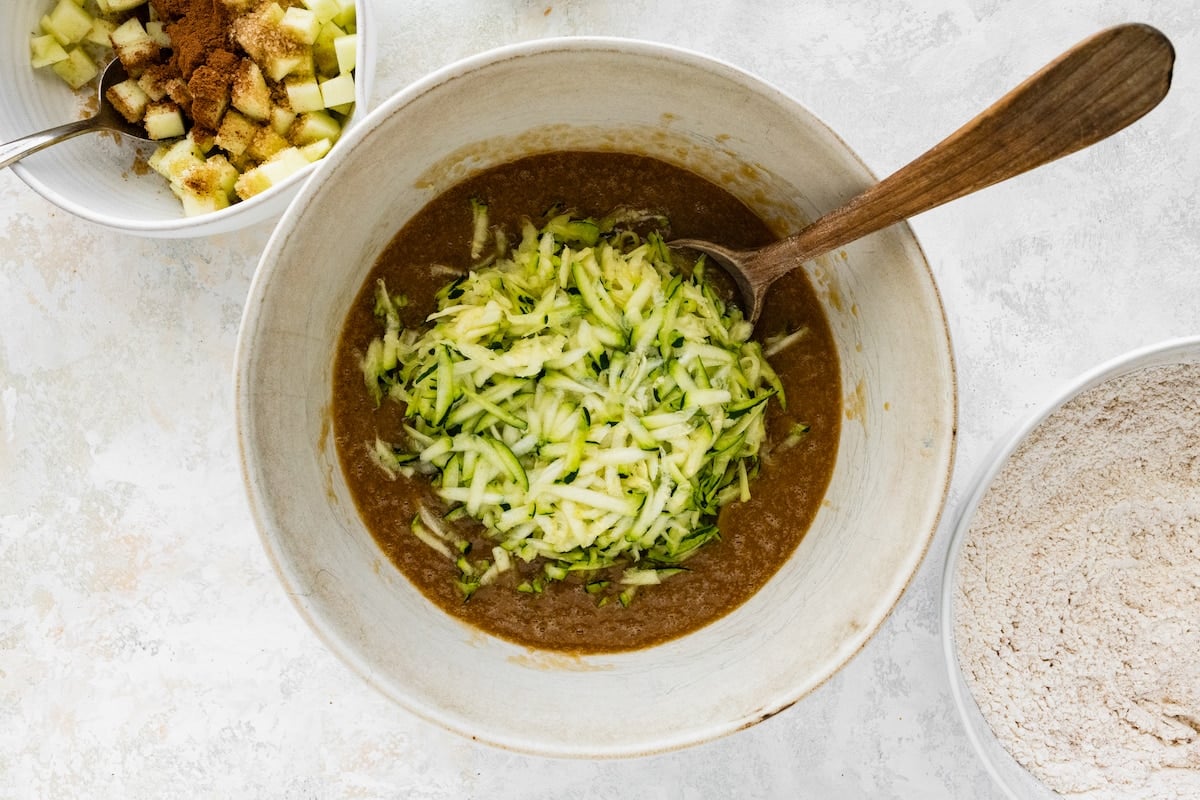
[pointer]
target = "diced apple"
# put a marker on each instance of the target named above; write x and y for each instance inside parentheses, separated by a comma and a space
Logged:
(101, 32)
(312, 126)
(204, 138)
(253, 31)
(196, 202)
(227, 174)
(304, 95)
(45, 50)
(284, 163)
(163, 120)
(206, 186)
(300, 24)
(258, 179)
(157, 31)
(280, 66)
(172, 160)
(325, 58)
(346, 49)
(177, 90)
(129, 99)
(271, 14)
(324, 10)
(337, 91)
(236, 132)
(346, 17)
(249, 93)
(251, 182)
(129, 32)
(154, 81)
(76, 69)
(119, 6)
(134, 46)
(282, 119)
(315, 151)
(287, 64)
(47, 27)
(67, 22)
(265, 144)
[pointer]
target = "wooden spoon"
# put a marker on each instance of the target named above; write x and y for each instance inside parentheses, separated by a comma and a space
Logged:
(1090, 92)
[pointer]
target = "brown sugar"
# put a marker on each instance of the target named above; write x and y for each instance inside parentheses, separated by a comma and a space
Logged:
(261, 40)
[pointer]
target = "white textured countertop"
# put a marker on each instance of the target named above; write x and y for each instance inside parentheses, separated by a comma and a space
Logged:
(146, 649)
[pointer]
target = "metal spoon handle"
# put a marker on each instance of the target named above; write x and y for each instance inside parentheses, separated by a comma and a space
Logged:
(17, 149)
(1090, 92)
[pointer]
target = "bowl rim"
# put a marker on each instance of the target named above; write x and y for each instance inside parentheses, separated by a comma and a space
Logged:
(1160, 352)
(243, 213)
(429, 82)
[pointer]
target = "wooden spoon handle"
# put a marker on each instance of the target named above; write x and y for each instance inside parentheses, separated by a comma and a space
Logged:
(1090, 92)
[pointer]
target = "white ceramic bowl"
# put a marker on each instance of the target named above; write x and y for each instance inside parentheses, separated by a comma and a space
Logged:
(897, 439)
(1016, 782)
(93, 176)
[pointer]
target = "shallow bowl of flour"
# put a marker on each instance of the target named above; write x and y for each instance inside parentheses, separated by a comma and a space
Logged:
(1071, 594)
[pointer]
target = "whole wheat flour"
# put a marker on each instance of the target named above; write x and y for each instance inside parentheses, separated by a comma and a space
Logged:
(1077, 611)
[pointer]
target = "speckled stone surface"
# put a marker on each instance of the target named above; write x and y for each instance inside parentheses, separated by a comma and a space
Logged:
(146, 649)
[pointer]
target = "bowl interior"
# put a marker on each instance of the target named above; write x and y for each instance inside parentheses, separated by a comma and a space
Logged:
(1013, 778)
(893, 461)
(94, 176)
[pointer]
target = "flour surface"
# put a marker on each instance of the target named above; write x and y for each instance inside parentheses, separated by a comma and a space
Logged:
(1077, 610)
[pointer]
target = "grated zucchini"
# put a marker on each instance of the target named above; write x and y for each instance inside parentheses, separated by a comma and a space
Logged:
(581, 397)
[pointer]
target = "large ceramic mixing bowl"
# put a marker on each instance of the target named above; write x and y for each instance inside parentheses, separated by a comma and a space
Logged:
(897, 435)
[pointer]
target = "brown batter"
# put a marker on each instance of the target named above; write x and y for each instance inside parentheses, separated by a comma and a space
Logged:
(756, 537)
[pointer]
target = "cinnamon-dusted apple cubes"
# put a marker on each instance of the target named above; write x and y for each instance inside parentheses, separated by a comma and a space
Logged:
(241, 93)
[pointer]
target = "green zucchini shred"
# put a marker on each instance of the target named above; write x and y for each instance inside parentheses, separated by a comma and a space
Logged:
(479, 228)
(796, 433)
(583, 398)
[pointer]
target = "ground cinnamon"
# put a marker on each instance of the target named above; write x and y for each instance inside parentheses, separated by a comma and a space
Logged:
(198, 28)
(210, 97)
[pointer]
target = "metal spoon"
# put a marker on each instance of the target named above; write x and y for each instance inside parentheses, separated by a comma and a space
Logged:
(1090, 92)
(106, 119)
